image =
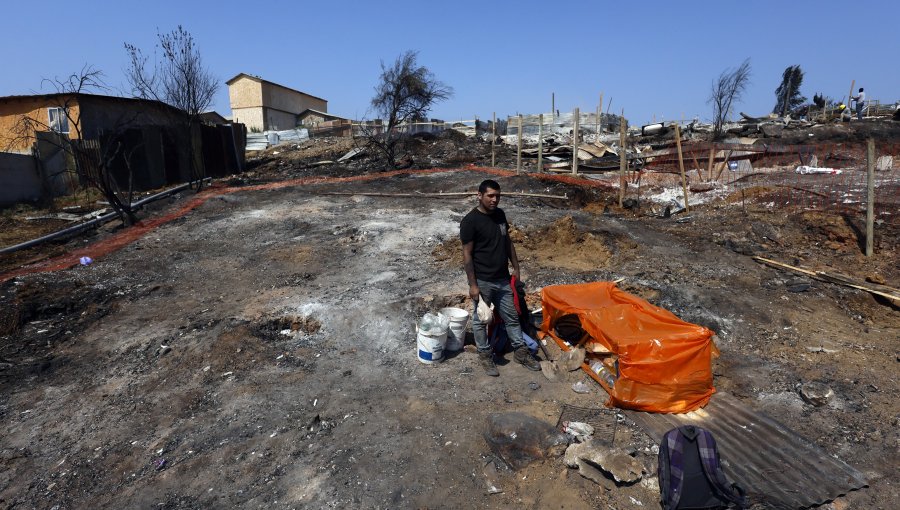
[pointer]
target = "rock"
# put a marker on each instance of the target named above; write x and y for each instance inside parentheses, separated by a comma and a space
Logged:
(702, 187)
(816, 394)
(771, 130)
(551, 371)
(571, 360)
(614, 463)
(797, 285)
(765, 231)
(519, 439)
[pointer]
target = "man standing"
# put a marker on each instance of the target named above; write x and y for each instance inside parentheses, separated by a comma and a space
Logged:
(860, 103)
(487, 253)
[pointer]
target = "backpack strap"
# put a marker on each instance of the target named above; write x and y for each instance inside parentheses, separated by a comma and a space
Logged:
(712, 466)
(671, 468)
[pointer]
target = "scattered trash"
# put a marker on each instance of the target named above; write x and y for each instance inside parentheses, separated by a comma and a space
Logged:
(804, 169)
(491, 472)
(85, 261)
(580, 430)
(519, 439)
(596, 463)
(581, 387)
(350, 155)
(159, 464)
(164, 349)
(534, 386)
(816, 394)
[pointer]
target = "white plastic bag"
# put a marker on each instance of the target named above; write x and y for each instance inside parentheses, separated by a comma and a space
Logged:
(485, 311)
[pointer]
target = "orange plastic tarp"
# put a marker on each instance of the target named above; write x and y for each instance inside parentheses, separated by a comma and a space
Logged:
(664, 363)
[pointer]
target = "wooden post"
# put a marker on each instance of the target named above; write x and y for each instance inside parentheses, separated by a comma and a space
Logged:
(681, 167)
(600, 117)
(576, 114)
(623, 163)
(870, 203)
(493, 139)
(709, 165)
(553, 105)
(519, 149)
(541, 142)
(852, 84)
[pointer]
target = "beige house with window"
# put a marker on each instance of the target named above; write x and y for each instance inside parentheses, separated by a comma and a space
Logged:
(263, 106)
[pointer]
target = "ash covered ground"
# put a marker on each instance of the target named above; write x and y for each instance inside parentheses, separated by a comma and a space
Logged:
(260, 351)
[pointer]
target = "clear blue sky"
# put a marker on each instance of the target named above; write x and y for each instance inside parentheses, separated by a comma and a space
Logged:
(652, 58)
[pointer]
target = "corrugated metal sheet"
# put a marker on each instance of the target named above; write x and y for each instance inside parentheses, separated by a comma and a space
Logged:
(776, 466)
(256, 142)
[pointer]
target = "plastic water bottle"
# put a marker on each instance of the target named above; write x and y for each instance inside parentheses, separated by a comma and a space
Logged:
(605, 373)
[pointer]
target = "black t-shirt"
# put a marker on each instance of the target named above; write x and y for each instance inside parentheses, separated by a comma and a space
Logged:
(490, 251)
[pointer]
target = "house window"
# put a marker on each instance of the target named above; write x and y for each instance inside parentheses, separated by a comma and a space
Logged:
(59, 122)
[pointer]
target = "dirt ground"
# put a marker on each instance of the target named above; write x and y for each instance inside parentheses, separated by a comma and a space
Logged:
(260, 351)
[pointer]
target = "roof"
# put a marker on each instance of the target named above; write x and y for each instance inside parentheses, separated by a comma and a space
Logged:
(214, 117)
(325, 114)
(56, 95)
(257, 78)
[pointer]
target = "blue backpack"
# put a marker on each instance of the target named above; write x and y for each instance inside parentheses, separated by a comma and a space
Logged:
(690, 472)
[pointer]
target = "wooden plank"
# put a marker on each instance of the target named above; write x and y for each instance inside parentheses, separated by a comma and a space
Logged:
(870, 202)
(687, 207)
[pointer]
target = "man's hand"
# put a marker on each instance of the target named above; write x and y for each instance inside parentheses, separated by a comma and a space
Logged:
(474, 292)
(515, 274)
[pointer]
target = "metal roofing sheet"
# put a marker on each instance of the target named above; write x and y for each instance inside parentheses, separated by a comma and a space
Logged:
(774, 464)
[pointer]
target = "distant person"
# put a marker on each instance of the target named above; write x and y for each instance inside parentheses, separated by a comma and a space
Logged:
(860, 103)
(488, 252)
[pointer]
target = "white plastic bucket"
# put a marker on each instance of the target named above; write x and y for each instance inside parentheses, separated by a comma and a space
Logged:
(456, 336)
(430, 346)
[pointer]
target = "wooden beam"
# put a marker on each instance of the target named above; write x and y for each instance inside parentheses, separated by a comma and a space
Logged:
(576, 115)
(493, 140)
(687, 207)
(709, 165)
(622, 160)
(870, 202)
(519, 148)
(541, 143)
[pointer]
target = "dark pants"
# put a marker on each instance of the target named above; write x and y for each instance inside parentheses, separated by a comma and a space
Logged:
(500, 294)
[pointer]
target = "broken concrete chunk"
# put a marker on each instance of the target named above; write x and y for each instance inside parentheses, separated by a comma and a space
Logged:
(551, 371)
(571, 360)
(816, 394)
(614, 463)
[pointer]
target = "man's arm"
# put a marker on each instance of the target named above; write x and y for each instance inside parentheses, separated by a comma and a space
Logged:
(513, 258)
(469, 266)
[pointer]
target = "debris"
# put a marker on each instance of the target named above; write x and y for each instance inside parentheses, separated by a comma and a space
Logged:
(572, 359)
(804, 169)
(85, 261)
(491, 473)
(797, 286)
(892, 294)
(534, 386)
(159, 464)
(884, 163)
(519, 439)
(579, 430)
(356, 151)
(614, 463)
(164, 349)
(581, 387)
(816, 394)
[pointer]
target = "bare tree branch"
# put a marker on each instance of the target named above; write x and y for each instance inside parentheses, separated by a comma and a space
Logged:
(405, 92)
(727, 90)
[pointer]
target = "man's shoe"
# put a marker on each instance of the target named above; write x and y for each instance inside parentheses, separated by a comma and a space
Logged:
(523, 356)
(487, 363)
